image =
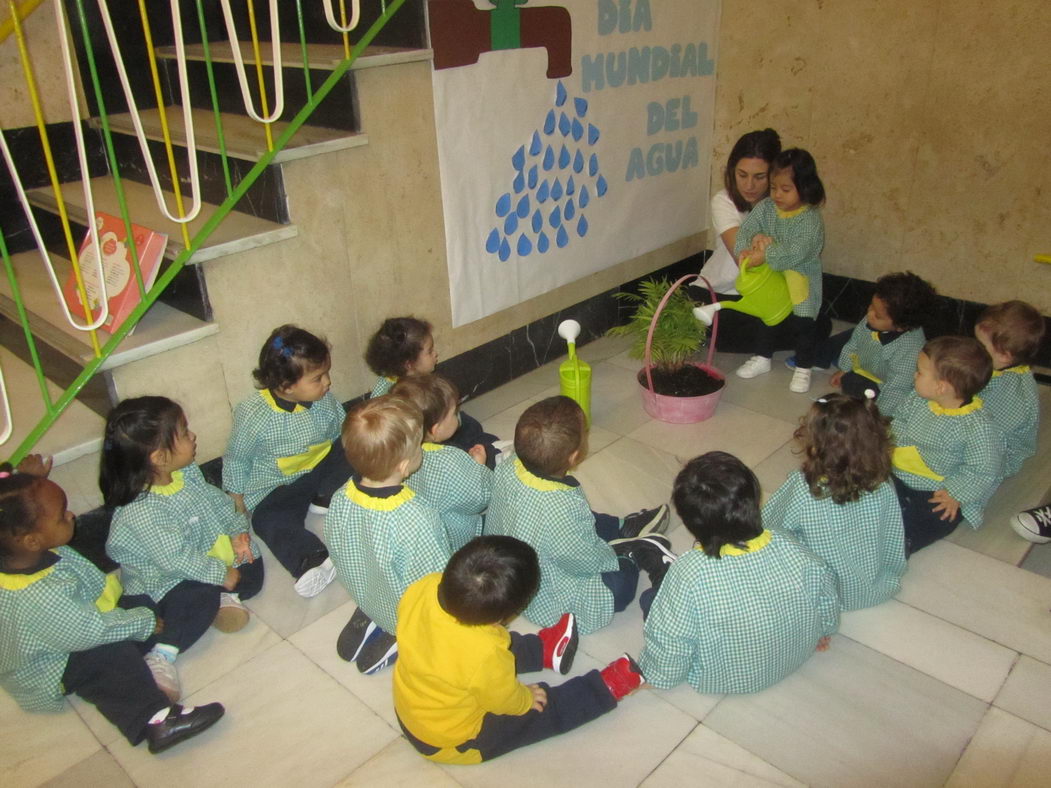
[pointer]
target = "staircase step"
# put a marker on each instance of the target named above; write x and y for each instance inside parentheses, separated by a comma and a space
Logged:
(325, 57)
(161, 328)
(78, 430)
(245, 138)
(236, 233)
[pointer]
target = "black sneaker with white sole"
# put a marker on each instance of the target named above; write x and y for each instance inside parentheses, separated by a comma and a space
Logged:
(652, 554)
(354, 635)
(646, 521)
(378, 651)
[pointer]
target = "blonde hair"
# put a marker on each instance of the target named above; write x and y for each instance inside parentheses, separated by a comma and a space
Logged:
(380, 433)
(433, 394)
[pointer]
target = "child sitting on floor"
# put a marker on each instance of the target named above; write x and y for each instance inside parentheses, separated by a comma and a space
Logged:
(1011, 333)
(382, 536)
(455, 482)
(184, 550)
(284, 453)
(61, 631)
(746, 606)
(949, 455)
(456, 692)
(404, 347)
(842, 504)
(536, 500)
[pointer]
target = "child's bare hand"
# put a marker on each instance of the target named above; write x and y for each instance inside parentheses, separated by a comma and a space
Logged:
(477, 453)
(539, 697)
(158, 625)
(837, 379)
(944, 503)
(824, 643)
(755, 256)
(35, 465)
(242, 544)
(239, 502)
(233, 577)
(761, 241)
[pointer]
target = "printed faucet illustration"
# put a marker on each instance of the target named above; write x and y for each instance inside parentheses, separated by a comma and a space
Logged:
(460, 32)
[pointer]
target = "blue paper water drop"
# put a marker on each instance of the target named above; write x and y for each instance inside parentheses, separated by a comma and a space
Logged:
(549, 158)
(535, 144)
(518, 158)
(563, 158)
(523, 207)
(538, 221)
(584, 197)
(561, 237)
(578, 162)
(543, 192)
(492, 243)
(571, 210)
(560, 94)
(525, 246)
(592, 134)
(563, 124)
(549, 122)
(581, 106)
(505, 250)
(510, 224)
(571, 185)
(555, 217)
(578, 130)
(532, 178)
(593, 165)
(582, 226)
(503, 205)
(600, 186)
(518, 183)
(543, 243)
(556, 191)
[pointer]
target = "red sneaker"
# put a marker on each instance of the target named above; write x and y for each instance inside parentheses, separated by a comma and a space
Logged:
(622, 676)
(560, 643)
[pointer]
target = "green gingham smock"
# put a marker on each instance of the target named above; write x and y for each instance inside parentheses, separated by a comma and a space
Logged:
(893, 365)
(555, 518)
(960, 451)
(45, 616)
(164, 536)
(741, 622)
(862, 541)
(383, 386)
(270, 446)
(382, 540)
(1012, 402)
(457, 487)
(798, 238)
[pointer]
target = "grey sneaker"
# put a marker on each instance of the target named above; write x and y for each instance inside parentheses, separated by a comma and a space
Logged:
(313, 581)
(232, 616)
(164, 675)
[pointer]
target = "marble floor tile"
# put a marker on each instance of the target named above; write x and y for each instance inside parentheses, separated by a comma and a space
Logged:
(1027, 692)
(1006, 751)
(312, 730)
(626, 476)
(1038, 560)
(35, 748)
(398, 766)
(616, 399)
(101, 770)
(768, 394)
(707, 760)
(943, 651)
(851, 716)
(982, 595)
(773, 471)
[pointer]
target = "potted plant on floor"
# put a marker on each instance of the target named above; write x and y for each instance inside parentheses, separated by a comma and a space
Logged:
(666, 334)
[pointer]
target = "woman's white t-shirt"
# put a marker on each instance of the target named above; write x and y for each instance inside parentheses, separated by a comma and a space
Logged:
(720, 269)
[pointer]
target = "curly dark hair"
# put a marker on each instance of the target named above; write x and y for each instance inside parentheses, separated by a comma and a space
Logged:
(846, 447)
(397, 344)
(288, 353)
(909, 299)
(804, 174)
(19, 509)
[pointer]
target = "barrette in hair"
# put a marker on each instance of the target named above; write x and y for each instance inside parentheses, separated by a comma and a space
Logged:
(870, 394)
(821, 400)
(281, 347)
(4, 474)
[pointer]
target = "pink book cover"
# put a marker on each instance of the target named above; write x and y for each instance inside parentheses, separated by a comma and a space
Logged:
(122, 289)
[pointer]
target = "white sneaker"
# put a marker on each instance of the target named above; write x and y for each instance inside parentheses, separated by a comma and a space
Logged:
(800, 381)
(753, 367)
(706, 314)
(232, 616)
(313, 581)
(165, 675)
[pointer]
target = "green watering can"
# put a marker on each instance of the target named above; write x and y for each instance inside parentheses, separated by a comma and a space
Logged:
(764, 294)
(575, 375)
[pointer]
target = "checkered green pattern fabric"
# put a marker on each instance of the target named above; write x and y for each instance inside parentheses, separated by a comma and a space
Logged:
(451, 482)
(43, 622)
(163, 536)
(741, 622)
(557, 521)
(797, 246)
(965, 448)
(1012, 402)
(262, 435)
(383, 386)
(893, 363)
(862, 541)
(381, 546)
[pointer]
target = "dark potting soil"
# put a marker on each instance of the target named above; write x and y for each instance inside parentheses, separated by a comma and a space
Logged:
(686, 381)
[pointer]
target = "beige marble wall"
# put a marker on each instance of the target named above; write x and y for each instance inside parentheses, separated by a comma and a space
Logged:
(46, 61)
(929, 123)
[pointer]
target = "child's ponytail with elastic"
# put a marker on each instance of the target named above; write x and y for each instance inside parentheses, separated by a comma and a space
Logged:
(397, 344)
(18, 511)
(134, 430)
(287, 354)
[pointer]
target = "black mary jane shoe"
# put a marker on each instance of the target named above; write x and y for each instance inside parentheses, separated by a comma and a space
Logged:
(180, 725)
